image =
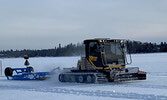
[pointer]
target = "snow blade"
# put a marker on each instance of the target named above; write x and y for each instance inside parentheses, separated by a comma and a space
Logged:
(130, 74)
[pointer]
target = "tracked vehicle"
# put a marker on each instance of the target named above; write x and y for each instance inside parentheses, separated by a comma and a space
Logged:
(105, 61)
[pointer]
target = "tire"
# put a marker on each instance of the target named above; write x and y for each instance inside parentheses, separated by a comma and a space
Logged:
(31, 69)
(72, 78)
(61, 78)
(126, 70)
(89, 79)
(8, 71)
(66, 78)
(80, 79)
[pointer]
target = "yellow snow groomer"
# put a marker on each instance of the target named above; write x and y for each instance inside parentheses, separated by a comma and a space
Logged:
(105, 61)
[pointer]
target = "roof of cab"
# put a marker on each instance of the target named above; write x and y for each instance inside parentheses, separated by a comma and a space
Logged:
(103, 40)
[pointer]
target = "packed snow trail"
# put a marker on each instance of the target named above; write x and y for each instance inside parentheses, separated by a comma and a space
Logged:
(98, 93)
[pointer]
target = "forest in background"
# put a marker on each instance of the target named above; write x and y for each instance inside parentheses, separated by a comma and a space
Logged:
(79, 50)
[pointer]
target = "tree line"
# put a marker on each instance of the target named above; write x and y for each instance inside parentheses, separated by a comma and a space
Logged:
(146, 47)
(79, 50)
(68, 50)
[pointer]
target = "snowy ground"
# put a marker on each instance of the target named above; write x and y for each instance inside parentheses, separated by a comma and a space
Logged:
(154, 88)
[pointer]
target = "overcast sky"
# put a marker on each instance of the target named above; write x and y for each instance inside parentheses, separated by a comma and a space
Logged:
(39, 24)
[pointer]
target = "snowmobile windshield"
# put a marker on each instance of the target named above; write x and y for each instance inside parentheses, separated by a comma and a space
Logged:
(113, 54)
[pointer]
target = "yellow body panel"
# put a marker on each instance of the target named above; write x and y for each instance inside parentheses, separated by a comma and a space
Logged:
(92, 58)
(115, 66)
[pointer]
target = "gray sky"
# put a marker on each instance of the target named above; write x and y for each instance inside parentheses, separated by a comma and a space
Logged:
(37, 24)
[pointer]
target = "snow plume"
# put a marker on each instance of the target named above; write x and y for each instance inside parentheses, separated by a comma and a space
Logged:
(0, 67)
(54, 77)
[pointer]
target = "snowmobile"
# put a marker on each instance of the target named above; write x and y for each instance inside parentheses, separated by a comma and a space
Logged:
(105, 61)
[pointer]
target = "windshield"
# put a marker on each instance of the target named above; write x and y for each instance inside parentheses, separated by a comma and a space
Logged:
(113, 54)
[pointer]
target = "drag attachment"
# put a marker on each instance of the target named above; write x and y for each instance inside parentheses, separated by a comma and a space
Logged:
(25, 73)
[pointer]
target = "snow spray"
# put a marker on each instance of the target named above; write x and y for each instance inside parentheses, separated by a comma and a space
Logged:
(0, 68)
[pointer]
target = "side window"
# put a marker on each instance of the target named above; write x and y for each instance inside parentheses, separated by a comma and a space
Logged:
(93, 48)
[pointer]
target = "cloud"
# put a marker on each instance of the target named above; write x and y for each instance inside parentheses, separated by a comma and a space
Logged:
(45, 24)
